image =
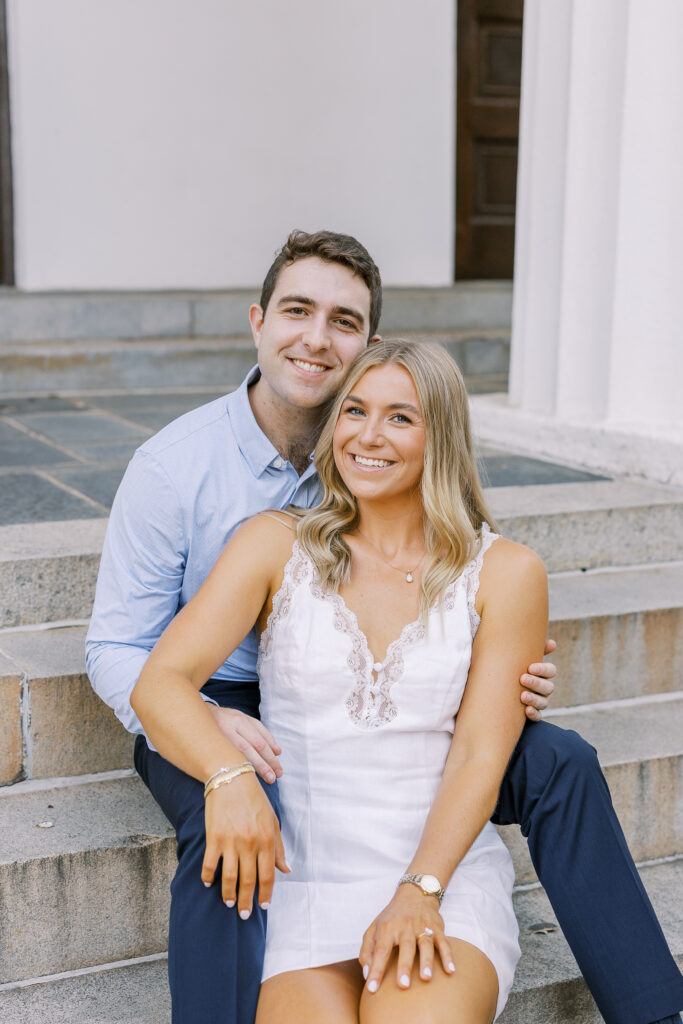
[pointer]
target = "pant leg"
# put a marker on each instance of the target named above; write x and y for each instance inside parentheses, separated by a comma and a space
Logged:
(555, 790)
(214, 958)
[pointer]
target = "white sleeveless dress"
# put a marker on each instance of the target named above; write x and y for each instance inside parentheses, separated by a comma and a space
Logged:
(363, 749)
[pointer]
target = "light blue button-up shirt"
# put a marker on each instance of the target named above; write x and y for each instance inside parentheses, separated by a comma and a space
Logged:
(183, 495)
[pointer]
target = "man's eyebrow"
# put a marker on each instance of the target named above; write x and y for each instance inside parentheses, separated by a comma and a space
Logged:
(303, 300)
(348, 311)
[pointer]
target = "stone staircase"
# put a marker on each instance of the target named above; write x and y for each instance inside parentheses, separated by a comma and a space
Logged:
(86, 857)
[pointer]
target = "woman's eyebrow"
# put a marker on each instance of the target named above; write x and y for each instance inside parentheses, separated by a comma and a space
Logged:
(393, 405)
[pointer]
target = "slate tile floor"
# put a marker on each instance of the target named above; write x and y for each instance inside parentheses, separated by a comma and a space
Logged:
(62, 458)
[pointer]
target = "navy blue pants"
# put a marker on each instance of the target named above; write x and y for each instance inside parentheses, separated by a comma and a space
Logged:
(554, 789)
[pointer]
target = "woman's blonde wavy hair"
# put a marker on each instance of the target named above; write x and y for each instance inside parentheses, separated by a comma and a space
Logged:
(452, 495)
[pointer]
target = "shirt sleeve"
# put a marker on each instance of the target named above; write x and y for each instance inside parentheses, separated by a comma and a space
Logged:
(139, 582)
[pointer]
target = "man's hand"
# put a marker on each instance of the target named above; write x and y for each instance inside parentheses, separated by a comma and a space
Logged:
(252, 739)
(537, 683)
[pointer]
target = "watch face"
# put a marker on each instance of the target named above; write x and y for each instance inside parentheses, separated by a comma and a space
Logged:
(430, 884)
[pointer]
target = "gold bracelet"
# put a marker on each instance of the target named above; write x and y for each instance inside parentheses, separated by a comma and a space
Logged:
(228, 776)
(225, 768)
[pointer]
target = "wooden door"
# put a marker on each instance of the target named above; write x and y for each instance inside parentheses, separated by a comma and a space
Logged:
(489, 66)
(6, 203)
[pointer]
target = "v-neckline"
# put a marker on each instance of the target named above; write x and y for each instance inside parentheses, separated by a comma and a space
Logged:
(376, 666)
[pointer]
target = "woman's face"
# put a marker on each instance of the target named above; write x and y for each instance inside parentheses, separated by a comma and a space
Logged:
(379, 439)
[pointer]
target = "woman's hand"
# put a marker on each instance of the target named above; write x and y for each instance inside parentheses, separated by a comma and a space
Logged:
(241, 827)
(412, 922)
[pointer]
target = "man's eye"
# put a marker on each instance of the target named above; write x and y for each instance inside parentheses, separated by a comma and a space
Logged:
(348, 325)
(297, 310)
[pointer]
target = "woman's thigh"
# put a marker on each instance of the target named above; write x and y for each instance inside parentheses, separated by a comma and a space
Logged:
(467, 997)
(329, 994)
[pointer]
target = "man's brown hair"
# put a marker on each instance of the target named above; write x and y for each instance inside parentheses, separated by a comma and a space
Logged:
(332, 248)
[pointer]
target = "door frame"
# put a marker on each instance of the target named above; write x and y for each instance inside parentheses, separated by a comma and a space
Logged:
(6, 186)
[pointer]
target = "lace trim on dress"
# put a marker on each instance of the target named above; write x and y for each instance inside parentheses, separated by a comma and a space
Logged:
(470, 576)
(296, 570)
(369, 704)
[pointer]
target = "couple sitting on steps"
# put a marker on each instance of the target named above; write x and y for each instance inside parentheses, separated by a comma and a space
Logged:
(374, 710)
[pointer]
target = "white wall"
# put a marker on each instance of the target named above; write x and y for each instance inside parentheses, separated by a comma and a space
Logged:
(174, 143)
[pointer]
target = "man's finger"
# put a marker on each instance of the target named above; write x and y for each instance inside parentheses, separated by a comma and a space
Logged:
(550, 646)
(535, 700)
(543, 670)
(538, 684)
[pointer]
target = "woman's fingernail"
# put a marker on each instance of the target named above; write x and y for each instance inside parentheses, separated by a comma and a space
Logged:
(451, 966)
(404, 981)
(230, 903)
(245, 914)
(372, 985)
(426, 972)
(366, 971)
(265, 906)
(207, 885)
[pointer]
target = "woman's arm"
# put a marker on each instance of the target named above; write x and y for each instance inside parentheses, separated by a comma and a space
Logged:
(240, 824)
(513, 605)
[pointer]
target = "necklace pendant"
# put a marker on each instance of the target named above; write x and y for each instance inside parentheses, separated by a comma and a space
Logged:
(409, 577)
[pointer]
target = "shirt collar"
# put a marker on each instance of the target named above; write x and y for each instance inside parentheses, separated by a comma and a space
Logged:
(258, 451)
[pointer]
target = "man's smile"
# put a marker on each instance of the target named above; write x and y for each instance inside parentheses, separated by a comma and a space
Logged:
(309, 367)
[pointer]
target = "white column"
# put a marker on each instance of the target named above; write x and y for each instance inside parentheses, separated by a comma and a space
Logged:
(597, 341)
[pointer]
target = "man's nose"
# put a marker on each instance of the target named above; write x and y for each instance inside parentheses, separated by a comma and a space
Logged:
(317, 334)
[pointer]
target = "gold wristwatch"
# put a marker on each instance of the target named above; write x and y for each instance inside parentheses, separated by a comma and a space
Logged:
(430, 884)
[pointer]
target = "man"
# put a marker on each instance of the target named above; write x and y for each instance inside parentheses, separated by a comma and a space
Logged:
(184, 493)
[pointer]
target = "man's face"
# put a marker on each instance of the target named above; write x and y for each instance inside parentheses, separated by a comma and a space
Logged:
(315, 324)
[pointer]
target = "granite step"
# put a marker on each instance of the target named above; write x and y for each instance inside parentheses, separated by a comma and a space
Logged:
(619, 633)
(620, 636)
(48, 570)
(640, 748)
(100, 841)
(548, 988)
(87, 862)
(593, 525)
(47, 316)
(82, 365)
(55, 725)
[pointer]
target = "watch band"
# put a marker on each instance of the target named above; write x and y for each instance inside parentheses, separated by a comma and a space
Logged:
(429, 884)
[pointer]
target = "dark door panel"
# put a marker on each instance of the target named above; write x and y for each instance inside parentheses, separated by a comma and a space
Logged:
(489, 61)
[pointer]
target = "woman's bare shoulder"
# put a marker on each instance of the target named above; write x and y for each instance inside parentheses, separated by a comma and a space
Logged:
(265, 539)
(508, 563)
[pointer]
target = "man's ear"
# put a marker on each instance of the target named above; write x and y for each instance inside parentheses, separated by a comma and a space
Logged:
(374, 339)
(256, 322)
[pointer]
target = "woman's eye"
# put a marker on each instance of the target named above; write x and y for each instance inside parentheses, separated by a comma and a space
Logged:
(353, 410)
(400, 418)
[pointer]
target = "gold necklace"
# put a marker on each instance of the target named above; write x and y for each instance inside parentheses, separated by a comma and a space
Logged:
(408, 575)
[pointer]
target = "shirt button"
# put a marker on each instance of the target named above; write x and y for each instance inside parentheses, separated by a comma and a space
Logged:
(278, 463)
(378, 666)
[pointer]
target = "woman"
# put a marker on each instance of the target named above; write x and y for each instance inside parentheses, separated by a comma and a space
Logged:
(374, 611)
